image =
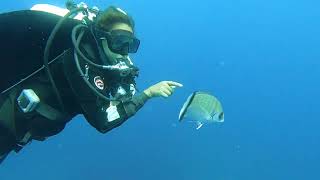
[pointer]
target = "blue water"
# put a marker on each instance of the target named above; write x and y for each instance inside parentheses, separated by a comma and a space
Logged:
(260, 58)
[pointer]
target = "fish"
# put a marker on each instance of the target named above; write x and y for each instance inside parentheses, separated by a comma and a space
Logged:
(202, 108)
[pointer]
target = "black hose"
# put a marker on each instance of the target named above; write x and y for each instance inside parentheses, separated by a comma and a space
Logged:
(47, 54)
(77, 43)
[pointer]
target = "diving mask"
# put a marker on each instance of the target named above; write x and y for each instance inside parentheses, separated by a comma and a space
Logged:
(120, 41)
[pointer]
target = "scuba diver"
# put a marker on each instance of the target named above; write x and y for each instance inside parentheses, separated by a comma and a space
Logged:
(58, 63)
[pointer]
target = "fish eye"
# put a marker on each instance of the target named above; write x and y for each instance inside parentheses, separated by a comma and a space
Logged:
(221, 116)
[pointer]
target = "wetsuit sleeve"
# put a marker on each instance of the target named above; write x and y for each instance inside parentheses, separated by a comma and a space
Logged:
(105, 117)
(137, 101)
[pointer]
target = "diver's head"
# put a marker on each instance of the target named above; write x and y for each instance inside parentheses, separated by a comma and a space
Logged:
(113, 16)
(118, 32)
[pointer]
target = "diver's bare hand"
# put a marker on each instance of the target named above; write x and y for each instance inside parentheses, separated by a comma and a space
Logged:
(163, 89)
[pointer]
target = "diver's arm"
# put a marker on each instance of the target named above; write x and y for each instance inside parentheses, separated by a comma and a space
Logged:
(136, 103)
(107, 118)
(163, 89)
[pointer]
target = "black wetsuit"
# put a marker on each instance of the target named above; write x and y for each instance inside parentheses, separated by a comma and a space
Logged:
(23, 37)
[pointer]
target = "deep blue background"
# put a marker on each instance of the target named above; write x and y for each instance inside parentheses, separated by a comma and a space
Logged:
(260, 58)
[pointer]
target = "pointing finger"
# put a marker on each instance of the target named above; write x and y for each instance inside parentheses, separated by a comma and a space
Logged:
(174, 84)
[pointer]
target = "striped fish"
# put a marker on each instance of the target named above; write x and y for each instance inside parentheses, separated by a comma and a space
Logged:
(202, 108)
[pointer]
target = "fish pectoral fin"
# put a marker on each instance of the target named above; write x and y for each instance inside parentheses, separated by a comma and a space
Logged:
(199, 125)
